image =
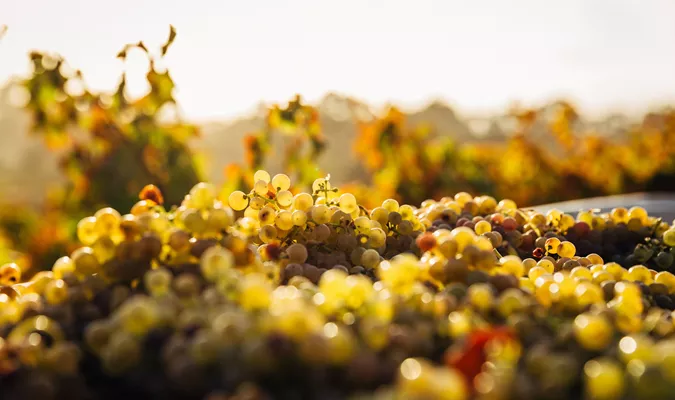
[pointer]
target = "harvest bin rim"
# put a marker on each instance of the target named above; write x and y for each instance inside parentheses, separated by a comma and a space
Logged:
(658, 204)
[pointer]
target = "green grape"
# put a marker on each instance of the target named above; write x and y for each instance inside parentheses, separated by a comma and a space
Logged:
(355, 255)
(377, 237)
(284, 198)
(281, 182)
(370, 259)
(10, 274)
(407, 212)
(506, 204)
(85, 262)
(56, 292)
(178, 239)
(348, 203)
(321, 232)
(193, 221)
(268, 233)
(380, 214)
(405, 227)
(604, 379)
(664, 259)
(203, 195)
(585, 216)
(107, 221)
(216, 261)
(619, 214)
(303, 201)
(261, 188)
(297, 253)
(261, 175)
(480, 296)
(362, 224)
(219, 219)
(63, 266)
(238, 200)
(482, 227)
(552, 245)
(104, 249)
(138, 315)
(86, 231)
(122, 352)
(566, 222)
(284, 220)
(299, 218)
(254, 292)
(266, 215)
(593, 332)
(566, 249)
(669, 237)
(158, 281)
(63, 358)
(256, 203)
(320, 214)
(390, 205)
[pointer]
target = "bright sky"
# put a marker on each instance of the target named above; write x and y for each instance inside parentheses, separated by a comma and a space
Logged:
(477, 54)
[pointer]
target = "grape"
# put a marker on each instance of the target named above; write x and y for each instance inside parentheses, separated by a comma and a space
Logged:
(261, 175)
(256, 203)
(216, 261)
(370, 259)
(266, 216)
(285, 198)
(405, 228)
(303, 201)
(281, 182)
(482, 227)
(255, 292)
(106, 220)
(268, 233)
(348, 203)
(84, 261)
(593, 332)
(321, 232)
(10, 274)
(284, 220)
(219, 219)
(238, 200)
(157, 282)
(320, 214)
(669, 237)
(377, 237)
(566, 249)
(86, 231)
(56, 292)
(261, 188)
(664, 260)
(203, 195)
(552, 245)
(390, 205)
(297, 253)
(299, 218)
(604, 379)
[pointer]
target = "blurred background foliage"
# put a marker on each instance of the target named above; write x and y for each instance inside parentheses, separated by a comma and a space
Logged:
(108, 147)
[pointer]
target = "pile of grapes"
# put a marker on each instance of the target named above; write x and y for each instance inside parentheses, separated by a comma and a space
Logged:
(311, 296)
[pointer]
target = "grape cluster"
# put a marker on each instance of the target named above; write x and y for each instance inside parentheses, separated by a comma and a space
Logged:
(278, 294)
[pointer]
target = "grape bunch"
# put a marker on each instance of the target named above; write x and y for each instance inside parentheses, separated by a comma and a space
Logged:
(284, 294)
